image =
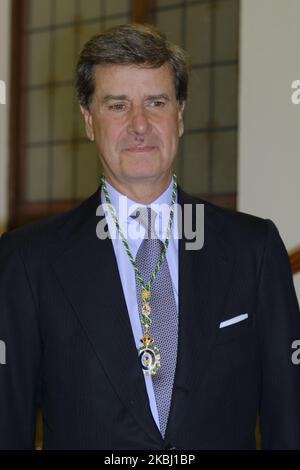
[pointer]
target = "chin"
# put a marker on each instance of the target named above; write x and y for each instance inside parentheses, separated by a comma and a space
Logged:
(142, 173)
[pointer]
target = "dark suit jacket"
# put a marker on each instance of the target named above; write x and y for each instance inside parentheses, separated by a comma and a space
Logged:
(70, 348)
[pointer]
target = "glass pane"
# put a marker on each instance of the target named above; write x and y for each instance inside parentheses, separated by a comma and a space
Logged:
(224, 162)
(86, 32)
(39, 13)
(64, 102)
(64, 57)
(197, 111)
(115, 7)
(87, 170)
(38, 116)
(37, 174)
(162, 3)
(227, 18)
(170, 22)
(65, 11)
(110, 22)
(196, 164)
(90, 9)
(225, 96)
(198, 28)
(38, 58)
(62, 159)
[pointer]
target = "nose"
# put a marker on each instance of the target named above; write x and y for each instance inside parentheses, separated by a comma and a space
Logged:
(138, 122)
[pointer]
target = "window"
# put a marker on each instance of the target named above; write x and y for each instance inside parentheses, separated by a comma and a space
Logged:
(53, 165)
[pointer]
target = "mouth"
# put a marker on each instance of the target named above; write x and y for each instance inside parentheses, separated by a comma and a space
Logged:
(145, 149)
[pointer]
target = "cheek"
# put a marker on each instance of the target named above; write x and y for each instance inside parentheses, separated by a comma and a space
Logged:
(113, 133)
(172, 132)
(107, 136)
(168, 129)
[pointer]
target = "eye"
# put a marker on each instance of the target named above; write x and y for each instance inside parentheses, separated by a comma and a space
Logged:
(117, 107)
(157, 104)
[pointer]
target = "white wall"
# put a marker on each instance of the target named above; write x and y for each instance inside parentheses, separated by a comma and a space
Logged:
(4, 75)
(269, 135)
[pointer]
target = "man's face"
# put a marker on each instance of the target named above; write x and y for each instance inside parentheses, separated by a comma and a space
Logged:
(135, 121)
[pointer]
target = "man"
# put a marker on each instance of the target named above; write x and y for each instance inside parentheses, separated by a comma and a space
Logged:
(135, 341)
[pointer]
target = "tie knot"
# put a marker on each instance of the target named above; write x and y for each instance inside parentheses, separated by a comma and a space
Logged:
(146, 216)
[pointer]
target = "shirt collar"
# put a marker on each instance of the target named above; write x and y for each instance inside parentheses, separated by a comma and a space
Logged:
(124, 205)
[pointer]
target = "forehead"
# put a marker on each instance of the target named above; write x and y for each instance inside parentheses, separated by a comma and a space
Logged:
(130, 79)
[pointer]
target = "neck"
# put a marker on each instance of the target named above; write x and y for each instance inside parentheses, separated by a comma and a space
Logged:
(142, 192)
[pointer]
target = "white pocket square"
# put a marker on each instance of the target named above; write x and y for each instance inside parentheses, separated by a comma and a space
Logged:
(233, 320)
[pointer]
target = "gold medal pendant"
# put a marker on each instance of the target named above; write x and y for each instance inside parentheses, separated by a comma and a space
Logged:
(149, 356)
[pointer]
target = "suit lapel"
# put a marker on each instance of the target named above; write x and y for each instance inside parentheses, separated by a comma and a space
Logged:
(204, 277)
(88, 273)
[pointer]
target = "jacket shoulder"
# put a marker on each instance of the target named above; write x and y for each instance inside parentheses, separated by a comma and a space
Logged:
(220, 218)
(49, 231)
(238, 228)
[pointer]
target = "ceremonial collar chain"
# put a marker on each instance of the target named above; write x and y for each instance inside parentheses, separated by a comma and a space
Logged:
(149, 355)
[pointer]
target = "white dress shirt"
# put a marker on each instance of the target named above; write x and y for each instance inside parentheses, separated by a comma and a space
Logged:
(134, 233)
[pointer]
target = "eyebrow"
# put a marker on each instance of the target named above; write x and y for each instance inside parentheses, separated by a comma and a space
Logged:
(126, 98)
(163, 96)
(114, 97)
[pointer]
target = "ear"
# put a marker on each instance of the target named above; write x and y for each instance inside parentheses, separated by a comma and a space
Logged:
(180, 118)
(88, 121)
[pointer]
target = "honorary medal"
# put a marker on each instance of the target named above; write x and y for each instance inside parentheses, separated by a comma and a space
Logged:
(149, 356)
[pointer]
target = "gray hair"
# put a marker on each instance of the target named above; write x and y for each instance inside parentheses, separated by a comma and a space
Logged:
(134, 44)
